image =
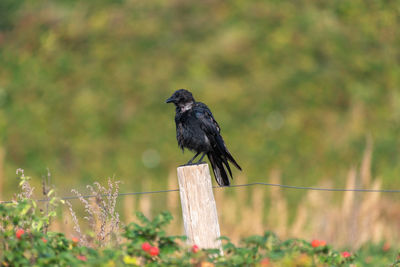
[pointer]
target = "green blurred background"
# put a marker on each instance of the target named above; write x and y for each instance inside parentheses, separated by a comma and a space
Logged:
(295, 86)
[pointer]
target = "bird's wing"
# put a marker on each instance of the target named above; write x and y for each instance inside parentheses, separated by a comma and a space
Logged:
(208, 123)
(212, 130)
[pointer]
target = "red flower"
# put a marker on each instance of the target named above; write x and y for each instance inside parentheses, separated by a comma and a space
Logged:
(44, 240)
(19, 233)
(154, 251)
(81, 257)
(265, 262)
(146, 246)
(315, 243)
(346, 254)
(318, 243)
(195, 249)
(386, 246)
(75, 241)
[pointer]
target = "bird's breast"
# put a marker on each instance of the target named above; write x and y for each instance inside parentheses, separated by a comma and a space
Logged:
(190, 135)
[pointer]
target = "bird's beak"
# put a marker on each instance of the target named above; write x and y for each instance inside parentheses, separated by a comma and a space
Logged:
(169, 100)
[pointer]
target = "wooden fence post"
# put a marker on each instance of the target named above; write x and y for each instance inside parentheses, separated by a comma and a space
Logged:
(199, 211)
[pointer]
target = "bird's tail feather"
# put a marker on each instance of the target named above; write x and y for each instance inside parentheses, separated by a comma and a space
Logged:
(225, 153)
(231, 159)
(218, 169)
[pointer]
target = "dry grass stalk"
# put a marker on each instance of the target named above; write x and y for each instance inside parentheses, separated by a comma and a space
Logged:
(300, 221)
(369, 216)
(2, 155)
(346, 230)
(173, 204)
(365, 169)
(229, 210)
(129, 207)
(145, 205)
(55, 226)
(27, 190)
(223, 217)
(318, 223)
(102, 216)
(258, 208)
(88, 209)
(46, 190)
(278, 213)
(358, 220)
(145, 201)
(389, 213)
(348, 199)
(77, 228)
(237, 208)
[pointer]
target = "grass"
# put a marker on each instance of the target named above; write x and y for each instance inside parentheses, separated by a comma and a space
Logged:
(344, 219)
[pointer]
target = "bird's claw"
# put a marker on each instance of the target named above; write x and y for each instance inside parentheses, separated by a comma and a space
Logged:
(193, 163)
(187, 164)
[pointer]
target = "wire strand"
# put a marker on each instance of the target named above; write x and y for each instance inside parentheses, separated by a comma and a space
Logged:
(318, 188)
(236, 186)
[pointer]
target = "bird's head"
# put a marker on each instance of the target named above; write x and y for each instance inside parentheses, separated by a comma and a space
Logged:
(181, 98)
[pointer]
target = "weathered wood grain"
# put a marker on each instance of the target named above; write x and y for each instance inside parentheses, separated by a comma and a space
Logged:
(199, 210)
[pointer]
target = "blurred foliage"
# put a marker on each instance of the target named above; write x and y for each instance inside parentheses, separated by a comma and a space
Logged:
(295, 85)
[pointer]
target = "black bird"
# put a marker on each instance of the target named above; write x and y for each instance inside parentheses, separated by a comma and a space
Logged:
(197, 130)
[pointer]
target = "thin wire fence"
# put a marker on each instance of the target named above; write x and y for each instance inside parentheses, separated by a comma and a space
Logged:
(361, 190)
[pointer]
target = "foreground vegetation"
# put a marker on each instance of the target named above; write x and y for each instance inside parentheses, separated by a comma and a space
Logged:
(25, 240)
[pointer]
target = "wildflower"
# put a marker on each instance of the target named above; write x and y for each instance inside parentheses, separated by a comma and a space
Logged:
(154, 251)
(195, 249)
(146, 246)
(386, 246)
(318, 243)
(130, 260)
(81, 257)
(265, 262)
(315, 243)
(44, 240)
(19, 233)
(346, 254)
(75, 241)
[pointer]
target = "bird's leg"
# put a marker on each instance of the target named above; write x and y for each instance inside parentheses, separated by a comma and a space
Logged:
(200, 160)
(190, 161)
